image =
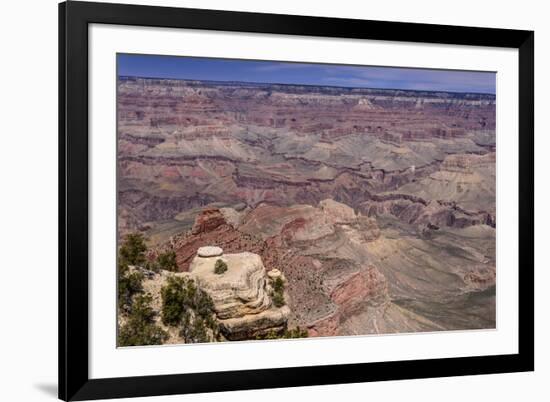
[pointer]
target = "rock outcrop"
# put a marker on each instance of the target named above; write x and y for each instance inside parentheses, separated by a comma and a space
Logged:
(377, 206)
(289, 144)
(433, 215)
(242, 302)
(210, 228)
(208, 220)
(352, 293)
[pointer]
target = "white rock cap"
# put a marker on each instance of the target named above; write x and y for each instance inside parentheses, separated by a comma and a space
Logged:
(209, 251)
(274, 273)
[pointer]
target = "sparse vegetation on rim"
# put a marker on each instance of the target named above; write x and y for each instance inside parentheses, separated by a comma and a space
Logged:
(277, 295)
(376, 207)
(220, 267)
(131, 252)
(183, 303)
(167, 261)
(286, 334)
(129, 284)
(140, 329)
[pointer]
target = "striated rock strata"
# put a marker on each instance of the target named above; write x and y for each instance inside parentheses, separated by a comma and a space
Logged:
(377, 206)
(187, 144)
(241, 297)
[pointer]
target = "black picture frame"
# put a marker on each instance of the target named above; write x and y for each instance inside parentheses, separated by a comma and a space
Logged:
(74, 381)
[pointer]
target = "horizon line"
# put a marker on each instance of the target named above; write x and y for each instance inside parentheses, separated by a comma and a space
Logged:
(307, 85)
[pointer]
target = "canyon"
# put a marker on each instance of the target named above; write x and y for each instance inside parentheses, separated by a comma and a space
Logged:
(376, 205)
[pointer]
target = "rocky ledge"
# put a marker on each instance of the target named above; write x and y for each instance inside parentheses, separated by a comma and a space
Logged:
(241, 294)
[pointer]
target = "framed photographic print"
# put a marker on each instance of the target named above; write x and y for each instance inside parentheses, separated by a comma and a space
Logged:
(257, 200)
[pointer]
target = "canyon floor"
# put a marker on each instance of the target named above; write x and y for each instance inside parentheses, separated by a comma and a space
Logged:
(378, 206)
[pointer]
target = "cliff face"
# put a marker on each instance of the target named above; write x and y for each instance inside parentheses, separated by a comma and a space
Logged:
(378, 206)
(345, 274)
(286, 239)
(241, 297)
(187, 144)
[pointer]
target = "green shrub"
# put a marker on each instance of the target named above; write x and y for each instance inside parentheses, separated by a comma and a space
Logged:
(132, 251)
(220, 267)
(269, 335)
(196, 332)
(278, 292)
(278, 285)
(286, 334)
(140, 329)
(173, 301)
(203, 304)
(186, 327)
(181, 295)
(278, 299)
(152, 266)
(129, 284)
(183, 303)
(167, 261)
(296, 333)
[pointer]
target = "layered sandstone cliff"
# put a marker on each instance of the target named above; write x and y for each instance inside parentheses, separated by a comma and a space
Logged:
(186, 144)
(378, 206)
(242, 302)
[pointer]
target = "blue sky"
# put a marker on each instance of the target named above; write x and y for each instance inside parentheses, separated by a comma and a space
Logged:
(198, 68)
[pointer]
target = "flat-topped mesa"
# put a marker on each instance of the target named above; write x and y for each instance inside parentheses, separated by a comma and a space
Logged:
(242, 302)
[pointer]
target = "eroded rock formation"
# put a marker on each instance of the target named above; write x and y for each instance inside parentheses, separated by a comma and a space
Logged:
(187, 144)
(377, 206)
(241, 297)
